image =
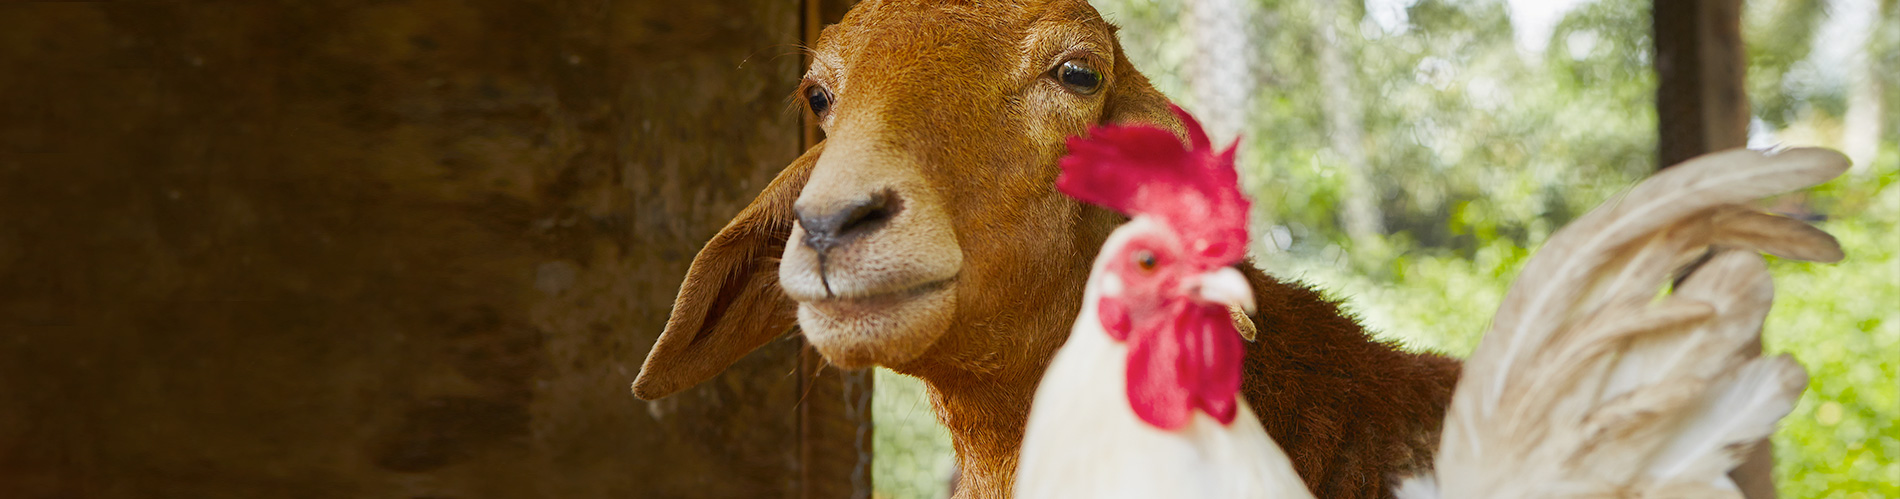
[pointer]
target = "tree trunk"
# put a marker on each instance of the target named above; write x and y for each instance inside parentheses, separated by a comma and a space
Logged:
(1222, 81)
(1346, 128)
(1862, 126)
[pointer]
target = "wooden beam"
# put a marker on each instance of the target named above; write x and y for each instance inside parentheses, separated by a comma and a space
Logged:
(1701, 102)
(1701, 107)
(834, 410)
(834, 430)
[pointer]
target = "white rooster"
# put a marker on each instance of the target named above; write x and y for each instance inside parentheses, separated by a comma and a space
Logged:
(1143, 400)
(1587, 384)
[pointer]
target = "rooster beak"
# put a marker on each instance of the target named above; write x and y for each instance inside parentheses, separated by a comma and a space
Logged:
(1227, 287)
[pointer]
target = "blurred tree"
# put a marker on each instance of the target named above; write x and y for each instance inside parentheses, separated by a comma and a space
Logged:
(1340, 100)
(1861, 131)
(1222, 57)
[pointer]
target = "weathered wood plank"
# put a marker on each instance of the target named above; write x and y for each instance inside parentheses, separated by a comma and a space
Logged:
(414, 248)
(1701, 93)
(835, 430)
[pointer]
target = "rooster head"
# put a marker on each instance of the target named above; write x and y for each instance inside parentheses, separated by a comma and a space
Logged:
(1166, 278)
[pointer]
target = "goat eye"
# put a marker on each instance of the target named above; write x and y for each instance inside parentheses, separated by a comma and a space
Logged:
(819, 100)
(1078, 77)
(1145, 259)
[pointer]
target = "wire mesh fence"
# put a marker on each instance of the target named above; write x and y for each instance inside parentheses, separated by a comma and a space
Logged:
(913, 456)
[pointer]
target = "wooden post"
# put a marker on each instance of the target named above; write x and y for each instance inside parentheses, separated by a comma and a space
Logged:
(834, 412)
(1701, 107)
(834, 430)
(1701, 103)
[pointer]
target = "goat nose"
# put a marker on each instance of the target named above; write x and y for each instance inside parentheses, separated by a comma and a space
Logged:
(839, 225)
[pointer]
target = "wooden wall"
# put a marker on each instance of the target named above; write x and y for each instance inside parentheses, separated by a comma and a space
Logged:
(411, 248)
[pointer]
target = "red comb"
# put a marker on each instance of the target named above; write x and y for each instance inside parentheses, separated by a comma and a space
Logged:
(1144, 170)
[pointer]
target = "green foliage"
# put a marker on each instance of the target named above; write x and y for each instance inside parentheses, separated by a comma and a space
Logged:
(1480, 151)
(1842, 321)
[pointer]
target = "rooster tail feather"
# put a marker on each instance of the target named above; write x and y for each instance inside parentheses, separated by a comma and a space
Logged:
(1587, 379)
(1739, 411)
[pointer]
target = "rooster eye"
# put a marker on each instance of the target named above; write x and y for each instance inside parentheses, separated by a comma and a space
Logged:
(1145, 259)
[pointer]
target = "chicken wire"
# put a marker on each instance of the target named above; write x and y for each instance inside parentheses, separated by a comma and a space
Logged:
(912, 455)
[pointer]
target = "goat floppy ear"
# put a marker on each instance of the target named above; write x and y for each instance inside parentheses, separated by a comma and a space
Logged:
(730, 303)
(1131, 99)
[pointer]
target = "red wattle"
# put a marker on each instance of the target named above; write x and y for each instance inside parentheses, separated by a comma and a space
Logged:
(1219, 359)
(1156, 390)
(1192, 361)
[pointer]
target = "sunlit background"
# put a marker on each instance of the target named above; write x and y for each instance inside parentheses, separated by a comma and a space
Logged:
(1407, 156)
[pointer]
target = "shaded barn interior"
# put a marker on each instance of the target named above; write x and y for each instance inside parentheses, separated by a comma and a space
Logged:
(402, 249)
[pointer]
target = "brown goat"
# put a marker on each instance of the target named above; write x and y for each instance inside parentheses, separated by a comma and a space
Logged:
(925, 235)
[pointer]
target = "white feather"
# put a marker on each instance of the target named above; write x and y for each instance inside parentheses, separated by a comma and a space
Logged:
(1417, 487)
(1587, 385)
(1741, 408)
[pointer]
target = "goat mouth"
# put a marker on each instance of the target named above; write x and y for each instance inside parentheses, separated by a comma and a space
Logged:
(882, 328)
(878, 302)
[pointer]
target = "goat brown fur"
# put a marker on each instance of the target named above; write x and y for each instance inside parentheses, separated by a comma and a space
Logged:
(949, 109)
